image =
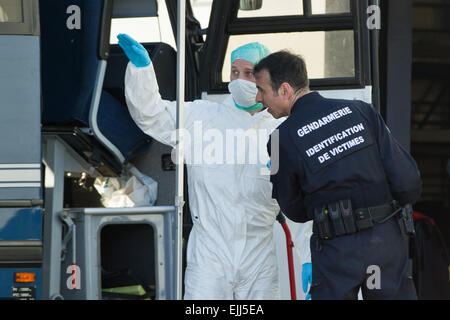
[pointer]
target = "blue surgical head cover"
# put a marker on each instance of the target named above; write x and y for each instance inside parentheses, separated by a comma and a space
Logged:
(252, 52)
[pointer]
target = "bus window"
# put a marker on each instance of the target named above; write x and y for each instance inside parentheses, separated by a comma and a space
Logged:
(297, 7)
(146, 29)
(328, 54)
(19, 17)
(329, 34)
(11, 11)
(202, 11)
(330, 6)
(274, 8)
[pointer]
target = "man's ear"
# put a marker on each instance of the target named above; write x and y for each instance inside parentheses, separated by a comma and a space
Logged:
(286, 90)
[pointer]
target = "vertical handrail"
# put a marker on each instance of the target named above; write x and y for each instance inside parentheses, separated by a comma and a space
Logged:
(93, 112)
(375, 43)
(179, 202)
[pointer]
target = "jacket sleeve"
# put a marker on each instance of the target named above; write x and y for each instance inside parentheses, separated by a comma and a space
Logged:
(155, 116)
(401, 169)
(285, 180)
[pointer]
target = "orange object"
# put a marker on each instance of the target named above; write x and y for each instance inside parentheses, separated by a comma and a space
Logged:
(25, 277)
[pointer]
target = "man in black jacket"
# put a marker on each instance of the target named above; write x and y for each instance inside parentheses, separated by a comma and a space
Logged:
(338, 164)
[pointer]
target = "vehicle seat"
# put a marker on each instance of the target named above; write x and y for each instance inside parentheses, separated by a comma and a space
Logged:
(69, 62)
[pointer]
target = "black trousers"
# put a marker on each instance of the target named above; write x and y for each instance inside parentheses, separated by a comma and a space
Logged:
(374, 260)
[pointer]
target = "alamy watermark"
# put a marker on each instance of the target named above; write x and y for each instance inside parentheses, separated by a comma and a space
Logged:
(374, 17)
(74, 280)
(212, 146)
(74, 20)
(373, 282)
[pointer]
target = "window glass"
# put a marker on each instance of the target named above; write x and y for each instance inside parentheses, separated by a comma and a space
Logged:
(328, 54)
(330, 6)
(11, 11)
(273, 8)
(202, 11)
(148, 29)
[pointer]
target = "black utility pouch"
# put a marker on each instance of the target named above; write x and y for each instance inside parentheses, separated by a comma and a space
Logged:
(347, 216)
(406, 219)
(334, 212)
(363, 219)
(322, 223)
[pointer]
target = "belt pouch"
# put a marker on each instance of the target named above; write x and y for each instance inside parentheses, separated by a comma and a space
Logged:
(363, 219)
(347, 216)
(322, 222)
(336, 220)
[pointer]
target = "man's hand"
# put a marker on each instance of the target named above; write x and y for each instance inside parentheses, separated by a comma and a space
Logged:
(306, 278)
(137, 54)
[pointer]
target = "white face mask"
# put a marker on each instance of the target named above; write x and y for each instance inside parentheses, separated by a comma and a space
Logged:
(244, 94)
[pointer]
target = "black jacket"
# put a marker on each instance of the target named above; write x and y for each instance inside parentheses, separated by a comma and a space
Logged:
(331, 150)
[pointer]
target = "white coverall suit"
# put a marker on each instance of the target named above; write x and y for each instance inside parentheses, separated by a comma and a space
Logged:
(231, 252)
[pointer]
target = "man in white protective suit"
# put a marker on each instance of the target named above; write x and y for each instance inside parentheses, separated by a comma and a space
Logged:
(231, 252)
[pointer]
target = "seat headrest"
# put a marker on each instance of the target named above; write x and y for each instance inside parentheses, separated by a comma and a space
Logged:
(70, 31)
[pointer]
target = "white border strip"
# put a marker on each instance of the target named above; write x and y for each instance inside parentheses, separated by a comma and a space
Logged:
(20, 185)
(19, 165)
(18, 175)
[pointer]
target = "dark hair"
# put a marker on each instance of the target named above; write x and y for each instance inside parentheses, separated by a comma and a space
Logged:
(284, 66)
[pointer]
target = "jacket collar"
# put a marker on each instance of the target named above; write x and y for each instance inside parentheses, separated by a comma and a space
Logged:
(303, 101)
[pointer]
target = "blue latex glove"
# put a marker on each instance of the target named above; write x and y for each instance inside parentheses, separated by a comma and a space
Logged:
(306, 278)
(137, 54)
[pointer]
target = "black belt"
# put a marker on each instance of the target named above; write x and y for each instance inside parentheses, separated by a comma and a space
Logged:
(340, 219)
(366, 217)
